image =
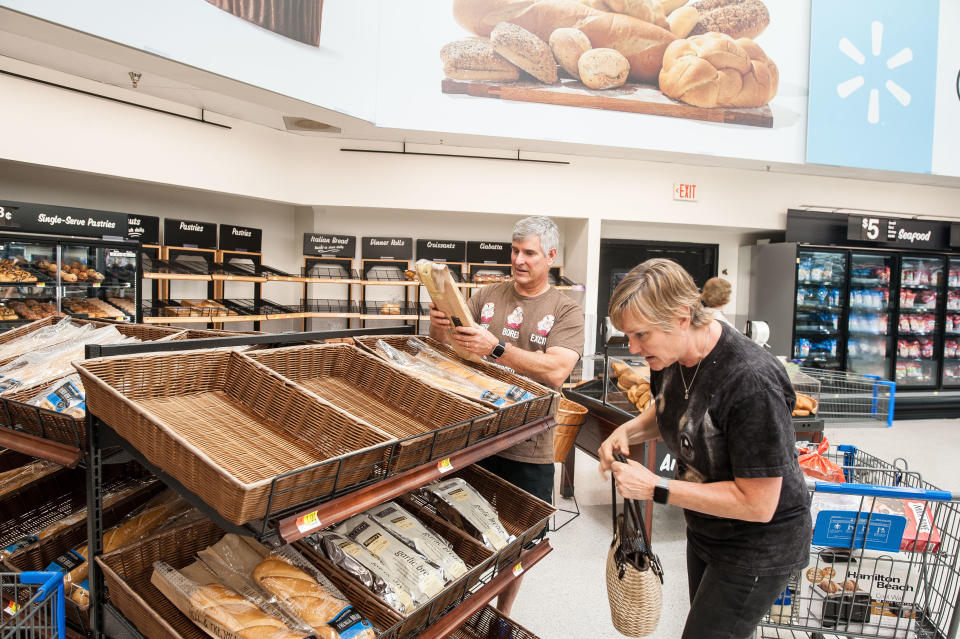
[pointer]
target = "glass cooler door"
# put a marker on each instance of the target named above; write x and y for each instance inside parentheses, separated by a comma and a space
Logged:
(951, 342)
(821, 296)
(98, 282)
(918, 348)
(870, 340)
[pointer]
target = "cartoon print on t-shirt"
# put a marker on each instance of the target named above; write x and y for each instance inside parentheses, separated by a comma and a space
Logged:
(696, 446)
(486, 314)
(515, 319)
(545, 325)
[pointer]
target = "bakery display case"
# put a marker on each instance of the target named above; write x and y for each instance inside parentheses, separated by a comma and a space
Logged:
(43, 276)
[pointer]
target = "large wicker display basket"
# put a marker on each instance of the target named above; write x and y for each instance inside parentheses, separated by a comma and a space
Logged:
(570, 417)
(513, 416)
(477, 558)
(60, 427)
(127, 573)
(403, 406)
(487, 623)
(231, 430)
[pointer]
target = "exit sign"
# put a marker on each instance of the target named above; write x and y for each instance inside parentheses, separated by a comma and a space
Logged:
(685, 192)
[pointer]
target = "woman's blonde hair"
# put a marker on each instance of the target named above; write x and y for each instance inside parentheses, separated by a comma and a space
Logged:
(716, 293)
(656, 293)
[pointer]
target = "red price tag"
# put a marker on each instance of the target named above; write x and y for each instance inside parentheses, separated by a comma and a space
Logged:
(444, 465)
(11, 608)
(518, 569)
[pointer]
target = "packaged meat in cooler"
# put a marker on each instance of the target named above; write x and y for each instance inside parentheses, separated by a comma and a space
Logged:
(915, 323)
(913, 348)
(929, 323)
(926, 348)
(881, 323)
(950, 348)
(905, 324)
(925, 299)
(903, 348)
(907, 298)
(803, 270)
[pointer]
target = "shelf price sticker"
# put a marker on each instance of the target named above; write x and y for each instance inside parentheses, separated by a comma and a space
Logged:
(11, 608)
(95, 285)
(41, 284)
(445, 465)
(308, 522)
(518, 569)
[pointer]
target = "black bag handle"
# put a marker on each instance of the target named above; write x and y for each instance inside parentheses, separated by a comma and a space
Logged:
(631, 508)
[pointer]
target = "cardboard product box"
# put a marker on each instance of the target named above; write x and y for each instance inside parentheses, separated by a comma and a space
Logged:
(873, 593)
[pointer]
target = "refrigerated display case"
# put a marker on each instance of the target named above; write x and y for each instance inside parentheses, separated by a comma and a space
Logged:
(951, 332)
(918, 323)
(44, 275)
(869, 345)
(821, 279)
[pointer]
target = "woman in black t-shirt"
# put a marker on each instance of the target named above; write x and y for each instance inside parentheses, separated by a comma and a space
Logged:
(722, 406)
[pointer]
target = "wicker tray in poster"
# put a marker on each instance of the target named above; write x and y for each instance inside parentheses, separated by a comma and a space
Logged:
(231, 430)
(363, 385)
(39, 556)
(59, 427)
(127, 573)
(490, 623)
(477, 558)
(513, 416)
(523, 515)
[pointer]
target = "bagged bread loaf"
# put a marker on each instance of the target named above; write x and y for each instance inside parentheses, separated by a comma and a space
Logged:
(74, 563)
(438, 377)
(365, 567)
(65, 396)
(508, 391)
(419, 577)
(16, 478)
(411, 531)
(63, 330)
(460, 503)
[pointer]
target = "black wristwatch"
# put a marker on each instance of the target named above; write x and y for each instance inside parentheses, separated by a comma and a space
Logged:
(498, 350)
(661, 492)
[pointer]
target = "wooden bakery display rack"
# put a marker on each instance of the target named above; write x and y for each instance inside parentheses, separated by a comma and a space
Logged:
(290, 505)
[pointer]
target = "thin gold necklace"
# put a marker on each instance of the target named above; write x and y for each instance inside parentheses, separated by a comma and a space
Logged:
(686, 388)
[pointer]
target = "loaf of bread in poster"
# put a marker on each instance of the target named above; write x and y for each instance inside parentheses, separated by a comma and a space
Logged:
(642, 43)
(472, 59)
(714, 70)
(736, 18)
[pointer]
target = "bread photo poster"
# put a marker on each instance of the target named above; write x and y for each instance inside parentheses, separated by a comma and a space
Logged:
(723, 77)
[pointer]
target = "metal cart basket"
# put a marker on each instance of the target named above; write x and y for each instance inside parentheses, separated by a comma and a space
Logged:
(33, 605)
(883, 560)
(850, 398)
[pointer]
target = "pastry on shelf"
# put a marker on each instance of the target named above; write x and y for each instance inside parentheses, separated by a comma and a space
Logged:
(7, 314)
(390, 308)
(125, 304)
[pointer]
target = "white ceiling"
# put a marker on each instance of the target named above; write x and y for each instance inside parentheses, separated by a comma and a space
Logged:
(184, 89)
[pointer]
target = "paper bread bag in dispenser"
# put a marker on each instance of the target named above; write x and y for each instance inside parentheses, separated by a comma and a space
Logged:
(446, 297)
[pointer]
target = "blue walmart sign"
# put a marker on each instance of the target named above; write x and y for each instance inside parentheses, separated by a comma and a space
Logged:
(873, 67)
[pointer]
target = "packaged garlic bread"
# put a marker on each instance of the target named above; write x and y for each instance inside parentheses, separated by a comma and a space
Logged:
(460, 503)
(411, 531)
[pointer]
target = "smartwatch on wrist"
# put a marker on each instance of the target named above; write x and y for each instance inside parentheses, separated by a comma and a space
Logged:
(498, 350)
(661, 492)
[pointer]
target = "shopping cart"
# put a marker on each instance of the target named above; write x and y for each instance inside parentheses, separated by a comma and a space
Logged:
(32, 605)
(884, 558)
(851, 398)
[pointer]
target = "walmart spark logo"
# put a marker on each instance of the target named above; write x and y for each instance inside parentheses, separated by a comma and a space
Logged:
(848, 87)
(872, 84)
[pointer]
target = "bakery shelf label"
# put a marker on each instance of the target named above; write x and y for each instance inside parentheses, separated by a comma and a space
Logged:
(143, 228)
(445, 465)
(441, 250)
(329, 245)
(518, 569)
(488, 252)
(189, 234)
(387, 248)
(61, 220)
(240, 238)
(308, 522)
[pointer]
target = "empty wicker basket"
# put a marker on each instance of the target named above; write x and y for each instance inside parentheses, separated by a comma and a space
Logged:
(570, 416)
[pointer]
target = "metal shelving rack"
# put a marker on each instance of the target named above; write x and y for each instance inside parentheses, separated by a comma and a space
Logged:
(282, 525)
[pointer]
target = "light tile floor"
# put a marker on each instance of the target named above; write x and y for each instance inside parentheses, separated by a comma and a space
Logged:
(565, 595)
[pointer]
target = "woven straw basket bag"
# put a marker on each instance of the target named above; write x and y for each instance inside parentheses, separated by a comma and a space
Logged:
(634, 594)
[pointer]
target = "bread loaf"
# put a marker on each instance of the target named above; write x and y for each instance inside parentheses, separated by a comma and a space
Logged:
(308, 599)
(642, 43)
(682, 21)
(669, 6)
(525, 50)
(471, 59)
(568, 45)
(646, 10)
(736, 18)
(238, 615)
(603, 69)
(714, 70)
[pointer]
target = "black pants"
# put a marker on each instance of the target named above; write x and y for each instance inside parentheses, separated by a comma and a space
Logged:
(536, 479)
(725, 605)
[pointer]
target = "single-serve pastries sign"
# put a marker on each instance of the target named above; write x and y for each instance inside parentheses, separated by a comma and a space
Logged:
(647, 56)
